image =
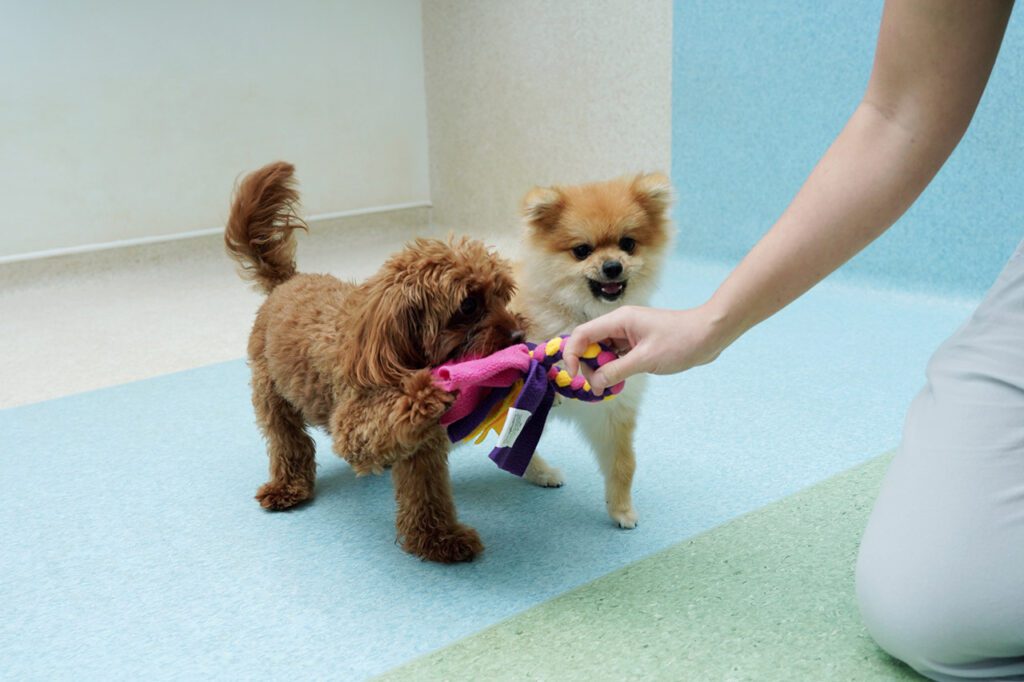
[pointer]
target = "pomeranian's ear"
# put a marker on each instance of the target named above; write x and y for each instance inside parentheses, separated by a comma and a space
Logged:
(542, 207)
(653, 192)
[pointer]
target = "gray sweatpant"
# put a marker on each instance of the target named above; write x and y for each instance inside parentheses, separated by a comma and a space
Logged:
(940, 576)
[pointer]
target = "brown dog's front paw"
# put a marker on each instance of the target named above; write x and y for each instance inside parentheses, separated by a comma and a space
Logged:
(447, 546)
(278, 496)
(425, 402)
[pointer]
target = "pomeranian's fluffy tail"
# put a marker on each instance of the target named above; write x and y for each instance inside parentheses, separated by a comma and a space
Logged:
(259, 231)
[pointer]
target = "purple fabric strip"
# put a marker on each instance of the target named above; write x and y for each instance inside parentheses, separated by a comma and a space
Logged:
(515, 459)
(536, 398)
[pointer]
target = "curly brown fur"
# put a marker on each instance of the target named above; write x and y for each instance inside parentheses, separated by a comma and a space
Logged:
(259, 230)
(355, 359)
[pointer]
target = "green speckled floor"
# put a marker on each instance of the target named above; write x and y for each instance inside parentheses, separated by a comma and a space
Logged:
(768, 596)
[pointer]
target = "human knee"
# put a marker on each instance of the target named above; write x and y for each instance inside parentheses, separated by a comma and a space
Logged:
(900, 619)
(927, 615)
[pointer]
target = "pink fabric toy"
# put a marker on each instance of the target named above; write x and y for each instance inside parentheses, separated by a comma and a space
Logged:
(511, 392)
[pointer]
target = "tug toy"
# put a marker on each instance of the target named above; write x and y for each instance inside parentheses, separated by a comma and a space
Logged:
(511, 392)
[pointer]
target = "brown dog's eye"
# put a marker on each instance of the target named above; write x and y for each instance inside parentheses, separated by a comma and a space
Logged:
(469, 310)
(581, 251)
(627, 244)
(469, 306)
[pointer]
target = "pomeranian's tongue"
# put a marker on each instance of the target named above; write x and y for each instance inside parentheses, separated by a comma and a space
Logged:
(611, 287)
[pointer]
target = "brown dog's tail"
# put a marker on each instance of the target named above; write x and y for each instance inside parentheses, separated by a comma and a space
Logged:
(259, 231)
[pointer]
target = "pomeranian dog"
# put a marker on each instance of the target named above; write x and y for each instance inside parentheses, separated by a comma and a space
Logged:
(356, 359)
(587, 250)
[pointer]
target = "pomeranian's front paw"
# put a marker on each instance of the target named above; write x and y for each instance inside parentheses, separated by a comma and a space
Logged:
(626, 517)
(539, 472)
(424, 401)
(277, 496)
(447, 546)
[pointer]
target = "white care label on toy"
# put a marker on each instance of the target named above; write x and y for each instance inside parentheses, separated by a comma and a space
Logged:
(515, 421)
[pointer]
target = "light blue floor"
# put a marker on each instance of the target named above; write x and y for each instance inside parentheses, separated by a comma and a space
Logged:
(131, 545)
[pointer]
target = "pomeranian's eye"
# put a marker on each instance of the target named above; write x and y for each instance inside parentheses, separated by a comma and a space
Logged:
(627, 244)
(581, 251)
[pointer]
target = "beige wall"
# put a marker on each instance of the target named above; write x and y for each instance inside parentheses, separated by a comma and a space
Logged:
(527, 92)
(128, 120)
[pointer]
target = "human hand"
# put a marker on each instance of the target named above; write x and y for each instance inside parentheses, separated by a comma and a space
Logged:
(650, 340)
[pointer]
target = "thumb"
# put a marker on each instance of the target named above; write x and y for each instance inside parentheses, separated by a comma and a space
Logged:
(616, 371)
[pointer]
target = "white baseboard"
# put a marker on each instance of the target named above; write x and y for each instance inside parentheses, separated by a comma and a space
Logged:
(138, 241)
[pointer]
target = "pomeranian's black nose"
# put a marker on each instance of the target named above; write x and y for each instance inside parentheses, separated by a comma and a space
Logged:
(517, 336)
(611, 268)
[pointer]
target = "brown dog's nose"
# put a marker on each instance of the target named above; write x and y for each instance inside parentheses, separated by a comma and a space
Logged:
(517, 336)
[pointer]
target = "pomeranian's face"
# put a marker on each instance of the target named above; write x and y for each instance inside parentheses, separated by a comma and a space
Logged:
(598, 245)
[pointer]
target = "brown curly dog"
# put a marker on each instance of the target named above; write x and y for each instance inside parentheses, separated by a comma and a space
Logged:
(355, 359)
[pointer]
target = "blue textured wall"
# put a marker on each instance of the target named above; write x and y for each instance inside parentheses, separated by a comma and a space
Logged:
(760, 89)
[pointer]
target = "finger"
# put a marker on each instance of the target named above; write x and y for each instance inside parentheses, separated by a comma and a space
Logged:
(616, 371)
(570, 361)
(586, 371)
(571, 351)
(601, 328)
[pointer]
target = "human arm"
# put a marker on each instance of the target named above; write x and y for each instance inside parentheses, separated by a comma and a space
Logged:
(932, 61)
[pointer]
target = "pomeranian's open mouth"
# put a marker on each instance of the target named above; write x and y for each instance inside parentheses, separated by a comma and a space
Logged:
(607, 291)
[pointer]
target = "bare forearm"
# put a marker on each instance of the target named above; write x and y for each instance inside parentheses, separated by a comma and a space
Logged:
(931, 65)
(872, 173)
(932, 61)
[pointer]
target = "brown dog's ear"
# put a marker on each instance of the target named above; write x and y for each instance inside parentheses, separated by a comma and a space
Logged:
(384, 342)
(543, 206)
(653, 192)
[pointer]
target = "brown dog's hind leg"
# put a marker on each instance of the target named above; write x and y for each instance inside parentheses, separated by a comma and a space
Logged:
(426, 521)
(292, 451)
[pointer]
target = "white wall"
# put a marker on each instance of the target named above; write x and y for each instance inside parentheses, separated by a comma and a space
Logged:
(123, 120)
(531, 92)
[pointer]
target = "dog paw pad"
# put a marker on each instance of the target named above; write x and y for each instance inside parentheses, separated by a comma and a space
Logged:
(456, 545)
(625, 518)
(278, 496)
(545, 477)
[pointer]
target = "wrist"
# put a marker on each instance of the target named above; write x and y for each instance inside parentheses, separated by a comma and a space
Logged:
(722, 325)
